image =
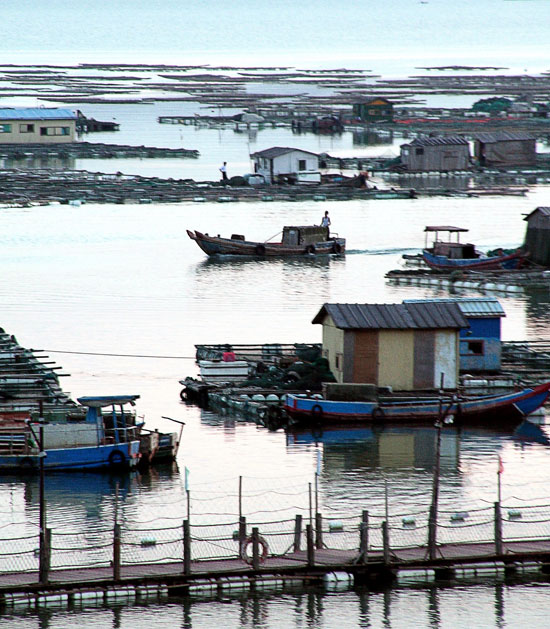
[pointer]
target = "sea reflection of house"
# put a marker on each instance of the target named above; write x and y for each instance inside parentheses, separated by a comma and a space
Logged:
(388, 447)
(405, 346)
(480, 343)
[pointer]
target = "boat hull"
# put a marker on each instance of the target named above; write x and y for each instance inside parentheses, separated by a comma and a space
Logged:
(117, 456)
(485, 410)
(444, 263)
(216, 246)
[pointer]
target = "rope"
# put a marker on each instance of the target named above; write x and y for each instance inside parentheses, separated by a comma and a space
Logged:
(60, 351)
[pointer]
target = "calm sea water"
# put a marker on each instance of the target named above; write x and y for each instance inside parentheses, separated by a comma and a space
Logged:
(126, 280)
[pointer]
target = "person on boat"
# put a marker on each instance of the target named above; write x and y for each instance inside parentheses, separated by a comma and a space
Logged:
(325, 222)
(223, 170)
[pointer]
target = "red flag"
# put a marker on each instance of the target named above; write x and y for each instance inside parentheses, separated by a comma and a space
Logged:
(500, 465)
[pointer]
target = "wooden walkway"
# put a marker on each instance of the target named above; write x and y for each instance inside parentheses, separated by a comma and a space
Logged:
(293, 565)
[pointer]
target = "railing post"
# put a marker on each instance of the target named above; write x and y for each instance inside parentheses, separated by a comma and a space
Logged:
(186, 547)
(116, 553)
(297, 533)
(45, 555)
(498, 529)
(432, 533)
(310, 546)
(318, 530)
(255, 548)
(242, 530)
(364, 537)
(386, 542)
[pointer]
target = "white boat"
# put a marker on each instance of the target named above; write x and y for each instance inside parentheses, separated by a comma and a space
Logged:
(216, 371)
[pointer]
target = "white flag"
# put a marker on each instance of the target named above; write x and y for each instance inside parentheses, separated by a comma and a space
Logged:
(318, 472)
(186, 479)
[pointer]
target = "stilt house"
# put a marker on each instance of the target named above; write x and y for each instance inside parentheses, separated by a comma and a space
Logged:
(504, 148)
(537, 237)
(440, 153)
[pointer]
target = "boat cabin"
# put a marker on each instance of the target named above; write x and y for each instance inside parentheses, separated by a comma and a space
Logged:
(304, 235)
(455, 250)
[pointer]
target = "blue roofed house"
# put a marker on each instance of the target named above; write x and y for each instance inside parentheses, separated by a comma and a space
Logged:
(36, 125)
(480, 343)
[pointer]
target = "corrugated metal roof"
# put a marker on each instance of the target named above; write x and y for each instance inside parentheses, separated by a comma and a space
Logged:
(542, 210)
(469, 306)
(439, 140)
(405, 316)
(35, 113)
(279, 150)
(503, 136)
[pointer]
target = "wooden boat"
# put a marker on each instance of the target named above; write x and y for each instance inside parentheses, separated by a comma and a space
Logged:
(96, 441)
(445, 255)
(296, 241)
(491, 410)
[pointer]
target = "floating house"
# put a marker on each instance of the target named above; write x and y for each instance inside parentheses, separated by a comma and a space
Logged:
(480, 343)
(537, 237)
(280, 164)
(406, 346)
(440, 153)
(374, 110)
(504, 148)
(37, 125)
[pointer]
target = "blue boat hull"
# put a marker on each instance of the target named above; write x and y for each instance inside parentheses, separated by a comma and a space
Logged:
(485, 410)
(102, 457)
(443, 263)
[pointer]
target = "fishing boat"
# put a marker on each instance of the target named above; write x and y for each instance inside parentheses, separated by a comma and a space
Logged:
(95, 440)
(309, 240)
(448, 255)
(491, 410)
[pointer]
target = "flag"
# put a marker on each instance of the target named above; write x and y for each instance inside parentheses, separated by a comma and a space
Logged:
(500, 465)
(318, 472)
(186, 479)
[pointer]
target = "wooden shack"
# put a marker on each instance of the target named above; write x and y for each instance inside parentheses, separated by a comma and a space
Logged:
(374, 110)
(480, 343)
(406, 346)
(537, 236)
(505, 148)
(438, 153)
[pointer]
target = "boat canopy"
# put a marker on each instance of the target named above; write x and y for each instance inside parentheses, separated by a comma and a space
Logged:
(101, 401)
(444, 228)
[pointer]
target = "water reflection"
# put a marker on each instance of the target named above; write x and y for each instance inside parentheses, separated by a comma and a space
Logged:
(494, 603)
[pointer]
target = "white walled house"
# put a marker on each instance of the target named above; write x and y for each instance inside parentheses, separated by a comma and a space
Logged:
(36, 125)
(287, 164)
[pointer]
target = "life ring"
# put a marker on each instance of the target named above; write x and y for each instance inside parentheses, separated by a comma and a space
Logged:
(116, 459)
(260, 250)
(336, 248)
(263, 547)
(377, 413)
(183, 395)
(310, 249)
(317, 411)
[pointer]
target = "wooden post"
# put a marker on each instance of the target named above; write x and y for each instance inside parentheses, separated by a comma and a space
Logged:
(386, 543)
(186, 547)
(255, 548)
(242, 530)
(310, 546)
(116, 553)
(240, 496)
(498, 529)
(297, 533)
(364, 537)
(318, 530)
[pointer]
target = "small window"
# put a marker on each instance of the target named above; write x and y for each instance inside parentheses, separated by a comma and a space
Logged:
(419, 151)
(302, 164)
(5, 128)
(472, 348)
(26, 128)
(54, 131)
(339, 364)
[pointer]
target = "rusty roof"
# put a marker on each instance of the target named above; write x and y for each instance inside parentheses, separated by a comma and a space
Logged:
(545, 210)
(439, 140)
(503, 136)
(405, 316)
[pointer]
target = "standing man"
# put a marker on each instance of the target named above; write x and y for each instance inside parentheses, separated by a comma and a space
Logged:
(325, 222)
(223, 170)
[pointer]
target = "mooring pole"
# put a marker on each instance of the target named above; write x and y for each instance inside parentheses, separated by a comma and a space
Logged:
(242, 529)
(297, 532)
(255, 548)
(318, 530)
(240, 496)
(386, 543)
(498, 529)
(310, 506)
(364, 537)
(44, 553)
(310, 546)
(186, 547)
(432, 521)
